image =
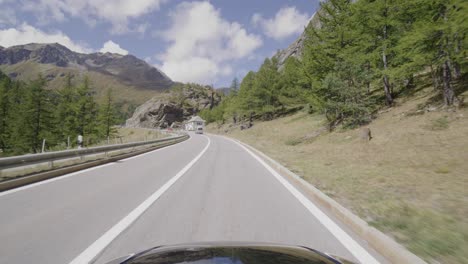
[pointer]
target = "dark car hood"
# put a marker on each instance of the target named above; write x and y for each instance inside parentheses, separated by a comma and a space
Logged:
(230, 253)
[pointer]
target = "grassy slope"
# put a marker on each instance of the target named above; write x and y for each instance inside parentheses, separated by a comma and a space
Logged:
(100, 82)
(410, 180)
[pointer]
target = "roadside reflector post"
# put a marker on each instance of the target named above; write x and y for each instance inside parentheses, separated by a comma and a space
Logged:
(80, 141)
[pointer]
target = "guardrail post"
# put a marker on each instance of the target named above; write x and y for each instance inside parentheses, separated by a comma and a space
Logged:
(43, 145)
(51, 164)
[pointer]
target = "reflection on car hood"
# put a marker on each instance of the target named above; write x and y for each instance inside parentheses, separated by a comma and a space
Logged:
(230, 253)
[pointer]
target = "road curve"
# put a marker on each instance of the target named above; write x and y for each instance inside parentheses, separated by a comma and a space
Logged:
(224, 195)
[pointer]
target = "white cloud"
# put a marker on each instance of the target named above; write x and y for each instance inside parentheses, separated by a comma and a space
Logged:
(117, 12)
(287, 21)
(7, 17)
(25, 34)
(202, 43)
(113, 47)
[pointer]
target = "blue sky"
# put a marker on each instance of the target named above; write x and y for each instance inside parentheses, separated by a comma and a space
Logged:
(208, 42)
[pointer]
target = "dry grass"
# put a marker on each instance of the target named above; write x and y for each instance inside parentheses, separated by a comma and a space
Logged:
(410, 180)
(130, 134)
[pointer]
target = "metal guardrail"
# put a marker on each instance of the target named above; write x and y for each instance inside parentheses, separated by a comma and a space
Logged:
(25, 160)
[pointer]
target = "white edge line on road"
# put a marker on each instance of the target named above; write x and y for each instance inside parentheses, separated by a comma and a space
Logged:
(348, 242)
(93, 251)
(79, 172)
(147, 153)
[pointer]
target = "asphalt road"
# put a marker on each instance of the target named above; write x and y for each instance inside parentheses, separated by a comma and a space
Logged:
(205, 189)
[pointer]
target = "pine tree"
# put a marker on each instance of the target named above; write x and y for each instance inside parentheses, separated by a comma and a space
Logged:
(246, 101)
(235, 84)
(294, 85)
(37, 118)
(5, 86)
(66, 113)
(438, 41)
(266, 86)
(378, 22)
(86, 113)
(107, 116)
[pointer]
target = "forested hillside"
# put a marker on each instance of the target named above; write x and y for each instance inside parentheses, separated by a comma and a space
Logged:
(29, 113)
(364, 54)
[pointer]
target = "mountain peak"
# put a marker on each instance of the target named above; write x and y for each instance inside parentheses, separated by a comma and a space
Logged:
(126, 68)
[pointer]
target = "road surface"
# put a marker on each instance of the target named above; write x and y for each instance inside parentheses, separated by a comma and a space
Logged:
(207, 188)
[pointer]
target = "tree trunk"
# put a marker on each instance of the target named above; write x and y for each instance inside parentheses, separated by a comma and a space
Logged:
(449, 94)
(386, 82)
(388, 93)
(37, 127)
(456, 66)
(457, 70)
(435, 78)
(368, 82)
(212, 100)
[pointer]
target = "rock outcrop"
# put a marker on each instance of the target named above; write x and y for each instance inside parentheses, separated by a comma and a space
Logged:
(156, 113)
(173, 108)
(297, 47)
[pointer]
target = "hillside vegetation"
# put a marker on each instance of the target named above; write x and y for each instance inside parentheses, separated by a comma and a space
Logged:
(124, 93)
(30, 113)
(359, 56)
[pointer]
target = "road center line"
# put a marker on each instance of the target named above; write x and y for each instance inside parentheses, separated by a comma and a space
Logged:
(90, 253)
(347, 241)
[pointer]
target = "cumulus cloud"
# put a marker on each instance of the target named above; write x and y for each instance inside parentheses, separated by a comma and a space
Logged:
(286, 22)
(113, 47)
(117, 12)
(25, 34)
(201, 43)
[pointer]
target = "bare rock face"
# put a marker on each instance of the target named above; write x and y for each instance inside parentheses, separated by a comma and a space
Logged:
(156, 113)
(297, 47)
(294, 50)
(172, 109)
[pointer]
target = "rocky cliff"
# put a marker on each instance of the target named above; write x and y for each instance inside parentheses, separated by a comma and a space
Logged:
(174, 107)
(296, 48)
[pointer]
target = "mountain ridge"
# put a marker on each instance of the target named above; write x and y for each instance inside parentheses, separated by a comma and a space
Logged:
(126, 68)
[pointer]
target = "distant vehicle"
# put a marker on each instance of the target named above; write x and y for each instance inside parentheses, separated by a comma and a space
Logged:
(199, 130)
(193, 123)
(230, 253)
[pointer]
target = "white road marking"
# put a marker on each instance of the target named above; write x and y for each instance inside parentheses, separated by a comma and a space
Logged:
(348, 242)
(52, 179)
(144, 154)
(90, 253)
(79, 172)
